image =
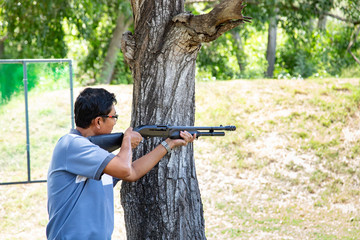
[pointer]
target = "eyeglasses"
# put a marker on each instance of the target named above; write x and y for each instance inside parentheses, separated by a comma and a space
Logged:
(111, 116)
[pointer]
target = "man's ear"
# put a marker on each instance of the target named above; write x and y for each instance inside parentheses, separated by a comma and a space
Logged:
(98, 122)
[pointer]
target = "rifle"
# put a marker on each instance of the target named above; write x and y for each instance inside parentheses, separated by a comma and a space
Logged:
(111, 142)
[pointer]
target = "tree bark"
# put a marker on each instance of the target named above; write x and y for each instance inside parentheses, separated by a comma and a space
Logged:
(240, 54)
(166, 203)
(114, 47)
(271, 46)
(322, 22)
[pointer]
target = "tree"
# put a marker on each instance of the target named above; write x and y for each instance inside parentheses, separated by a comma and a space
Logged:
(351, 11)
(297, 16)
(240, 54)
(166, 203)
(44, 25)
(33, 29)
(271, 44)
(122, 23)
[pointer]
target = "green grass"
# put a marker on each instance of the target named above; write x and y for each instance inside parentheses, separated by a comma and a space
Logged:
(290, 171)
(309, 118)
(49, 118)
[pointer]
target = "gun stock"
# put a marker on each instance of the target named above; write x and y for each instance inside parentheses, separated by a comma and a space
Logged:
(109, 142)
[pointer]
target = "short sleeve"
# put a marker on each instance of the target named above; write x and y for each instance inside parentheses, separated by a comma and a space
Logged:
(86, 159)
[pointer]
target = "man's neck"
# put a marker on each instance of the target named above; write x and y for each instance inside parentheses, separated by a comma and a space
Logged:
(86, 132)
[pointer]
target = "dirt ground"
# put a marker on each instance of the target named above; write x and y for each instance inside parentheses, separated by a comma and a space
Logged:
(267, 198)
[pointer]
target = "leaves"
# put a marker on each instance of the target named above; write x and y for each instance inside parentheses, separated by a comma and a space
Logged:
(38, 28)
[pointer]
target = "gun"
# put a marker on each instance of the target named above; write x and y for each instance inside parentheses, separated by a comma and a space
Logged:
(111, 142)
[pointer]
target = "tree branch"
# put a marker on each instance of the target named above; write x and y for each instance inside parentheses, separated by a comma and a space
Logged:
(224, 16)
(197, 1)
(341, 18)
(220, 31)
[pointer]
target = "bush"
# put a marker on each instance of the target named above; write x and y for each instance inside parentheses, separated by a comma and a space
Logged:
(43, 76)
(316, 53)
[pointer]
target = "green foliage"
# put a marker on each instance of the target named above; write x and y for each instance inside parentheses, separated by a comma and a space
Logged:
(315, 53)
(52, 28)
(122, 74)
(295, 61)
(10, 81)
(43, 76)
(350, 8)
(226, 59)
(221, 63)
(303, 50)
(34, 28)
(82, 29)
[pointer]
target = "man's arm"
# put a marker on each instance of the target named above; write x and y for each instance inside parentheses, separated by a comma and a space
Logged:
(121, 166)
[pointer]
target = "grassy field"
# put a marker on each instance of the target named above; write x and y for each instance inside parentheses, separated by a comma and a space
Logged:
(290, 171)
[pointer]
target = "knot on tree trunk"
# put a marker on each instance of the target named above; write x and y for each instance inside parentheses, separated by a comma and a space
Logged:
(128, 47)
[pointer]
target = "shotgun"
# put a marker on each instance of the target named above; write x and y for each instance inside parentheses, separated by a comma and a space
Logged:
(111, 142)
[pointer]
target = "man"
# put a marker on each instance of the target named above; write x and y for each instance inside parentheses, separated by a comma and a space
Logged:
(82, 175)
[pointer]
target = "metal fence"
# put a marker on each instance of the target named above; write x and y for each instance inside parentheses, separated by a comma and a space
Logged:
(24, 62)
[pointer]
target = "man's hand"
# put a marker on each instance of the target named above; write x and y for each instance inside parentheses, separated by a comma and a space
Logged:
(135, 137)
(186, 138)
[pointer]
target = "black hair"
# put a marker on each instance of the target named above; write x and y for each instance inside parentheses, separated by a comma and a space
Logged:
(92, 103)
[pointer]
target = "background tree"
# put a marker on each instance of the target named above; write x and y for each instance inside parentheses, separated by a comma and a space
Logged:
(166, 203)
(308, 46)
(271, 44)
(33, 28)
(351, 11)
(313, 38)
(107, 70)
(49, 29)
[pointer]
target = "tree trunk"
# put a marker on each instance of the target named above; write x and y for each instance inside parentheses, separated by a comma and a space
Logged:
(354, 35)
(166, 203)
(271, 46)
(322, 22)
(240, 54)
(2, 47)
(107, 69)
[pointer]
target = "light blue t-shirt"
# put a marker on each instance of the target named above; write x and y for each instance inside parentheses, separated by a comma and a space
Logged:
(80, 196)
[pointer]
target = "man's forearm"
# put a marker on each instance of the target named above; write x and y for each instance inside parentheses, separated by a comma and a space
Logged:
(125, 152)
(148, 161)
(121, 165)
(123, 168)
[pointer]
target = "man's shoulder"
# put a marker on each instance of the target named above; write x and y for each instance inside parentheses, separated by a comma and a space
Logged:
(69, 137)
(70, 142)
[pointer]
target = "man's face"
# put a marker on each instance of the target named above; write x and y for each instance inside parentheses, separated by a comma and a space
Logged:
(109, 122)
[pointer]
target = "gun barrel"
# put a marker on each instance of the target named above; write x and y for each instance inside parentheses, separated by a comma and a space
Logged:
(230, 128)
(220, 128)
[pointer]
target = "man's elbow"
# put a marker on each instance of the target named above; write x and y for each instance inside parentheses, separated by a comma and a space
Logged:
(130, 179)
(129, 175)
